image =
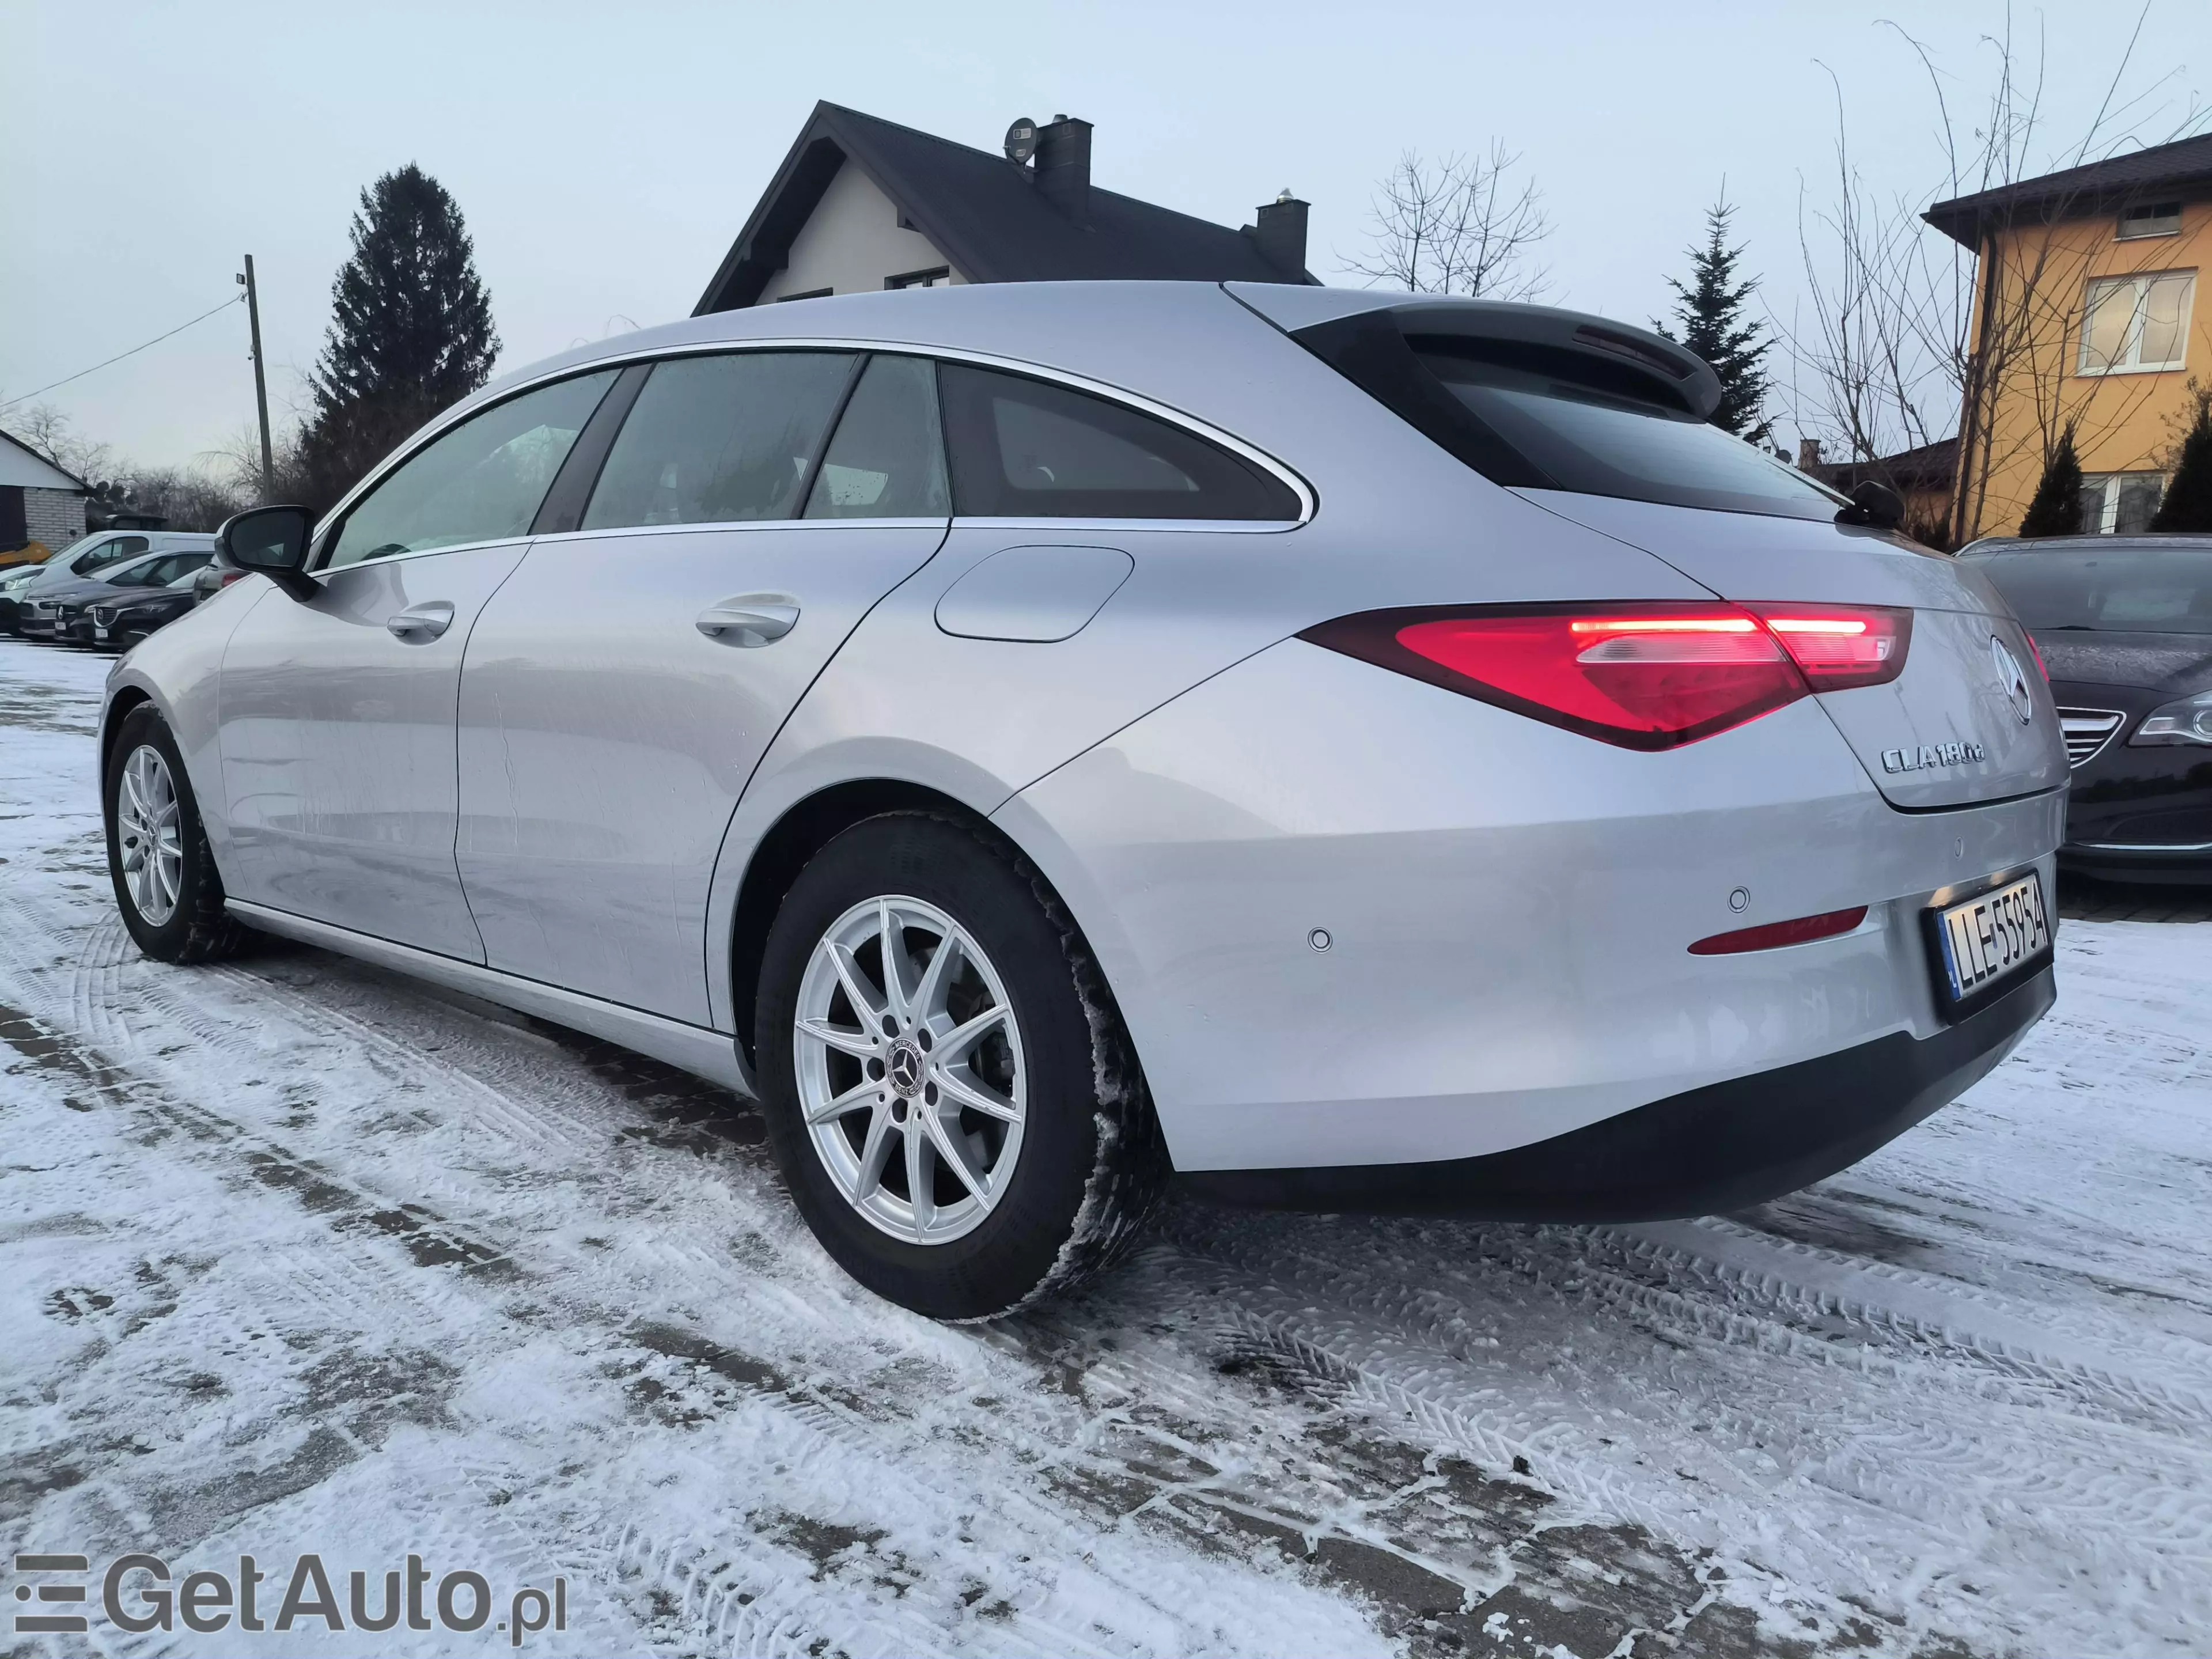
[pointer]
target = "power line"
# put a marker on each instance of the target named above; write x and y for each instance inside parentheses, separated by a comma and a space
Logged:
(120, 355)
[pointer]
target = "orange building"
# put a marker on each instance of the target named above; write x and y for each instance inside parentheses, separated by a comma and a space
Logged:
(2085, 315)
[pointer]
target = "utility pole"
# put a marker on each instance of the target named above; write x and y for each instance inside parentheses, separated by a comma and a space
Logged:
(261, 381)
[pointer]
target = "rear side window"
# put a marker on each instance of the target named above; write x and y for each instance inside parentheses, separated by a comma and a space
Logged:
(2141, 591)
(1025, 449)
(887, 460)
(481, 482)
(720, 440)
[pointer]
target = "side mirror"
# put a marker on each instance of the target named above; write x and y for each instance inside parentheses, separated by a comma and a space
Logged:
(272, 540)
(1875, 504)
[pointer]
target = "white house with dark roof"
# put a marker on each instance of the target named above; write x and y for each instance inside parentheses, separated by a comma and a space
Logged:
(861, 204)
(39, 502)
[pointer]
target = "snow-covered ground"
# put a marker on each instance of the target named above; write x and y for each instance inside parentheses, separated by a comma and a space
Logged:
(295, 1255)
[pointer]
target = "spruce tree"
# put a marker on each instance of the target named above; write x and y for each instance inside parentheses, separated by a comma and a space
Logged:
(2056, 508)
(1710, 308)
(2187, 503)
(411, 331)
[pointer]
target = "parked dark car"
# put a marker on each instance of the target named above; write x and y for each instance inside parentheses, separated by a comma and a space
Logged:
(117, 624)
(50, 612)
(2124, 625)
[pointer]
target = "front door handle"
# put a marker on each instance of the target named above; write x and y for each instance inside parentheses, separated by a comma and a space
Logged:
(420, 623)
(749, 621)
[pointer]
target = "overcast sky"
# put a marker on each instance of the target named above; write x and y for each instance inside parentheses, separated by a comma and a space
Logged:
(606, 155)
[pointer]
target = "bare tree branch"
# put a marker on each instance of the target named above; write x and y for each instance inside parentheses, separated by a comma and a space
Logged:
(1458, 225)
(1913, 337)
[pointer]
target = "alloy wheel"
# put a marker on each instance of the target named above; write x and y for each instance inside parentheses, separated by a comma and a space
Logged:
(910, 1069)
(147, 823)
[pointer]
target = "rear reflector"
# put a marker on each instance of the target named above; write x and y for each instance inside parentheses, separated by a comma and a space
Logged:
(1775, 934)
(1651, 675)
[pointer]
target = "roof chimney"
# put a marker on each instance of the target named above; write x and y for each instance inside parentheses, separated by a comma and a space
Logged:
(1281, 233)
(1063, 167)
(1808, 455)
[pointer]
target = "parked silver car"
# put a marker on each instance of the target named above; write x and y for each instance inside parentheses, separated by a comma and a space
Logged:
(1351, 750)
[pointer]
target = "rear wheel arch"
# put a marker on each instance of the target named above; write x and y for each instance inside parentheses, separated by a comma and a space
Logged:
(804, 829)
(810, 825)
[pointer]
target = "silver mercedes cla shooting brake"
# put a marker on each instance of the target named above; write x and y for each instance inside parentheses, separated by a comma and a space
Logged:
(1349, 751)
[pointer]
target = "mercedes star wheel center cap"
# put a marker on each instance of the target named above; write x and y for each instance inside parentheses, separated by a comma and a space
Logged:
(906, 1068)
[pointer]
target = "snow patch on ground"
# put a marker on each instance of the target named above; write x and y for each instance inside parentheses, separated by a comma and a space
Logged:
(294, 1255)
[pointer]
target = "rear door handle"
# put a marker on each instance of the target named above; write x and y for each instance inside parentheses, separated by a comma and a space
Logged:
(420, 623)
(749, 621)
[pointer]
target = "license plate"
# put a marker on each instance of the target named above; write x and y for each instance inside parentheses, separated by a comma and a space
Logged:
(1983, 941)
(99, 633)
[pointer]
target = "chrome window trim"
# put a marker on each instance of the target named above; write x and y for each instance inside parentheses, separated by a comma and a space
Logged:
(719, 527)
(1130, 526)
(326, 570)
(1309, 501)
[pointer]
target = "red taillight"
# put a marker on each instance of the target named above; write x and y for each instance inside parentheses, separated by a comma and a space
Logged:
(230, 576)
(1775, 934)
(1840, 646)
(1652, 676)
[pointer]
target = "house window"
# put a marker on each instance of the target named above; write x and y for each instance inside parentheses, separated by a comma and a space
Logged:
(2138, 324)
(936, 277)
(2150, 219)
(2120, 503)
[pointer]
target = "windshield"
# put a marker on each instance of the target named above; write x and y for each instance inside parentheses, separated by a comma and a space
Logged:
(1601, 443)
(2140, 591)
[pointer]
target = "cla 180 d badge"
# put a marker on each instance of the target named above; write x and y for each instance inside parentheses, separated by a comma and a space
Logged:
(1929, 754)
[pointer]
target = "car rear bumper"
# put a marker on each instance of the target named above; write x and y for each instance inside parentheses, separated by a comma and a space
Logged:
(1352, 919)
(1701, 1152)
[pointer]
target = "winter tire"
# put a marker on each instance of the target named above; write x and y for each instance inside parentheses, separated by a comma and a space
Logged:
(165, 883)
(949, 1091)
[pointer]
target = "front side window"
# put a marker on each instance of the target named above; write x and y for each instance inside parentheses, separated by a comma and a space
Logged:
(720, 440)
(112, 551)
(2120, 503)
(481, 482)
(2138, 324)
(887, 460)
(1024, 448)
(160, 573)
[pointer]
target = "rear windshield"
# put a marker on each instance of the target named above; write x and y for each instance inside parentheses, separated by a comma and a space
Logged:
(2138, 591)
(1536, 413)
(1601, 443)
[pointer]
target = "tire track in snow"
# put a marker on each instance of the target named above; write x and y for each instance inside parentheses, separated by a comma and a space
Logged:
(1411, 1337)
(1401, 1332)
(90, 995)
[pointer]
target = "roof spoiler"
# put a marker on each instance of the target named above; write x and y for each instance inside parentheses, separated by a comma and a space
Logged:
(1671, 373)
